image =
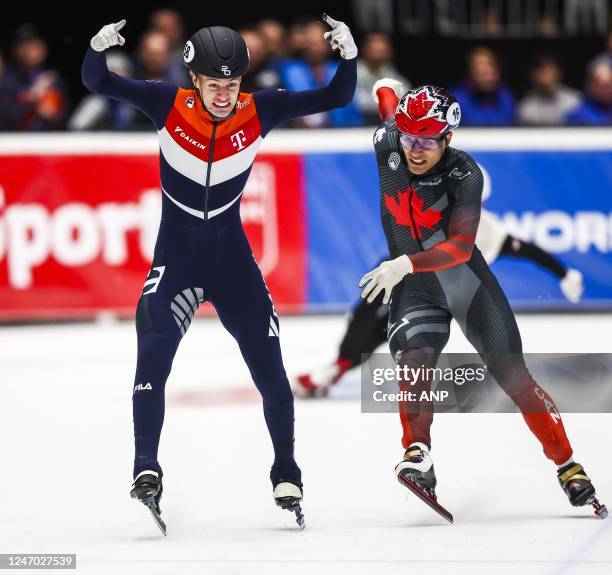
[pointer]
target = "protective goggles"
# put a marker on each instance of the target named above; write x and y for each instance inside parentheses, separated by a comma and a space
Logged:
(420, 142)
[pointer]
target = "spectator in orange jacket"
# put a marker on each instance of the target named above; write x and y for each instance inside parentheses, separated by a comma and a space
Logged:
(33, 96)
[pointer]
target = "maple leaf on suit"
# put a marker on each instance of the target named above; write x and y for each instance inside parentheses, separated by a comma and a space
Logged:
(407, 209)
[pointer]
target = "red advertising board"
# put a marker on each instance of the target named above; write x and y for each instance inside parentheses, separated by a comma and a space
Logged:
(77, 231)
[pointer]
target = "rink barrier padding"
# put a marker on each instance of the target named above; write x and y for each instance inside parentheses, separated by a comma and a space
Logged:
(79, 215)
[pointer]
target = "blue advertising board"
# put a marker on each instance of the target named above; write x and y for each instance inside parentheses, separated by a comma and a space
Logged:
(559, 200)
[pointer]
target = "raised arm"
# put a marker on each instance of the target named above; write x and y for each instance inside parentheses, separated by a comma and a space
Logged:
(387, 93)
(278, 106)
(153, 98)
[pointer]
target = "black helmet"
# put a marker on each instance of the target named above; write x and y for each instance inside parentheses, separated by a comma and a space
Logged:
(218, 52)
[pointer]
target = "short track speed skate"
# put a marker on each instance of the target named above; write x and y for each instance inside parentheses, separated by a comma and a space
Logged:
(579, 489)
(288, 496)
(148, 489)
(416, 472)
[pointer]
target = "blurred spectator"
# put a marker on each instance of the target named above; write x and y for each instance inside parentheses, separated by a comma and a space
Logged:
(607, 55)
(548, 26)
(491, 24)
(549, 101)
(314, 70)
(483, 98)
(33, 97)
(375, 62)
(154, 58)
(169, 23)
(297, 38)
(275, 38)
(259, 76)
(596, 107)
(96, 112)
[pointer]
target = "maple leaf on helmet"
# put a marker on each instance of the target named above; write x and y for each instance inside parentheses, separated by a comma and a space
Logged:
(427, 111)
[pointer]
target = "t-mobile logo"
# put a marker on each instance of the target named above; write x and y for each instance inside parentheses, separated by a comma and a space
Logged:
(238, 140)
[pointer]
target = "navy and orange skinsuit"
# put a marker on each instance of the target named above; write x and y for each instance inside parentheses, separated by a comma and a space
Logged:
(433, 218)
(202, 253)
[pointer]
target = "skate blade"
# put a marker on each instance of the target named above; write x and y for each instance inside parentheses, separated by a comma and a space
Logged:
(299, 516)
(428, 499)
(150, 503)
(600, 509)
(290, 504)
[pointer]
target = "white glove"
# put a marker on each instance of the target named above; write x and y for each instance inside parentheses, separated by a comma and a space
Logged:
(395, 85)
(385, 277)
(340, 37)
(108, 36)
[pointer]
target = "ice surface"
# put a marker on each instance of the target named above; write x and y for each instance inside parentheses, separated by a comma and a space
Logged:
(66, 445)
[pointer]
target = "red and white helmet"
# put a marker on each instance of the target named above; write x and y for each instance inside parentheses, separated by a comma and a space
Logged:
(427, 111)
